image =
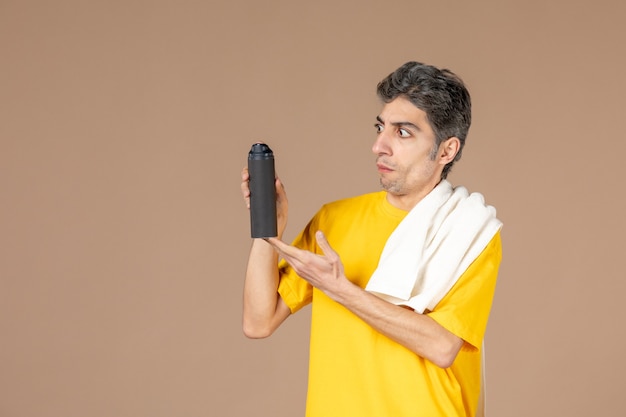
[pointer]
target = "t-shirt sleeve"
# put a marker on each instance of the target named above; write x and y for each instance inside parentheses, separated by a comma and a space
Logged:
(465, 309)
(294, 290)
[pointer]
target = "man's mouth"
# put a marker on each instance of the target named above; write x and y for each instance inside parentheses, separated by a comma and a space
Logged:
(383, 168)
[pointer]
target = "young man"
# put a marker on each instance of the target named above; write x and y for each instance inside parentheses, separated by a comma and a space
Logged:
(401, 280)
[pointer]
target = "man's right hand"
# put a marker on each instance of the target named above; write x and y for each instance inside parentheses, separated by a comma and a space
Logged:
(263, 309)
(282, 206)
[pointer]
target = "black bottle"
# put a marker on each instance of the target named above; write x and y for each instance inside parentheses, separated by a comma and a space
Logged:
(262, 191)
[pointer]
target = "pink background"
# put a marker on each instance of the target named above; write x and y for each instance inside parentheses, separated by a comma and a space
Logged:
(123, 236)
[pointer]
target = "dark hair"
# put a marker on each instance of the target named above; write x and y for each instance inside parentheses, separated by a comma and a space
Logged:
(439, 93)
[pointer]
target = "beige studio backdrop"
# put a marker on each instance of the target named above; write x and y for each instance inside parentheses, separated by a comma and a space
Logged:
(124, 127)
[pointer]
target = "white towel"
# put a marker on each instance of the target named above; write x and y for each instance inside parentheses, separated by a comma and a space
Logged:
(432, 247)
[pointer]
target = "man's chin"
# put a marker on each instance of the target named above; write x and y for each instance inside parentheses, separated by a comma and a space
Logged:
(387, 186)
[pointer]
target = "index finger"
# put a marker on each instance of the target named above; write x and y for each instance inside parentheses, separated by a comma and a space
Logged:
(286, 250)
(278, 244)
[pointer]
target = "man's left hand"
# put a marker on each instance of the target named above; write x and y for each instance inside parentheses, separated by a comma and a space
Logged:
(324, 272)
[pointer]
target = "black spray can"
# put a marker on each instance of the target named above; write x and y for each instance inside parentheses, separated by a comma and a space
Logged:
(262, 191)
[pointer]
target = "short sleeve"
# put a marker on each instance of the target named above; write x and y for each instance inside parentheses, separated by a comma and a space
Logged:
(464, 311)
(294, 290)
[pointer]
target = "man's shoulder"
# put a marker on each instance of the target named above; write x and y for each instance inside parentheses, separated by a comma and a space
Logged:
(356, 211)
(355, 202)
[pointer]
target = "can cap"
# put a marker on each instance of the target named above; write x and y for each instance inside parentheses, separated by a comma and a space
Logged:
(260, 151)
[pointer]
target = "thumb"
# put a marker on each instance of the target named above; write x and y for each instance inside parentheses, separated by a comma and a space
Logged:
(329, 253)
(325, 246)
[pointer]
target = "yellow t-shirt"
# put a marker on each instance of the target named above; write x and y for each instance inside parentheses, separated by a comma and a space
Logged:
(356, 371)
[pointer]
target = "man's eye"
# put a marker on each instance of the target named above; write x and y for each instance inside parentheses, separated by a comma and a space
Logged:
(378, 127)
(404, 133)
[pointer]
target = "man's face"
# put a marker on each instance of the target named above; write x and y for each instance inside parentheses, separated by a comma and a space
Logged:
(404, 147)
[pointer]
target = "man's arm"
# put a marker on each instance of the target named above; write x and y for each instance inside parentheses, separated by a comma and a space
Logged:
(417, 332)
(263, 308)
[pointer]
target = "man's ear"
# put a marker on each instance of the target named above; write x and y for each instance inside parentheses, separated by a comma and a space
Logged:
(448, 150)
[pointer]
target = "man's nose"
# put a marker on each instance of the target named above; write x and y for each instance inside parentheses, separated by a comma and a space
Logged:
(381, 144)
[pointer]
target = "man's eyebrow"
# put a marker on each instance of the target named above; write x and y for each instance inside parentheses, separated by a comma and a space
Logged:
(400, 124)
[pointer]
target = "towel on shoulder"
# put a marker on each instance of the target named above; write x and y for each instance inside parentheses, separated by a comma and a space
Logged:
(432, 247)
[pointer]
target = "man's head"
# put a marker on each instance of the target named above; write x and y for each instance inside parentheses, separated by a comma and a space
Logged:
(440, 94)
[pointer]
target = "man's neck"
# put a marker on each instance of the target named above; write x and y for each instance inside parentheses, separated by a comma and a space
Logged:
(408, 201)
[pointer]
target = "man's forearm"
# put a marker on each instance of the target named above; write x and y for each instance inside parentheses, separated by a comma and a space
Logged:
(263, 309)
(417, 332)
